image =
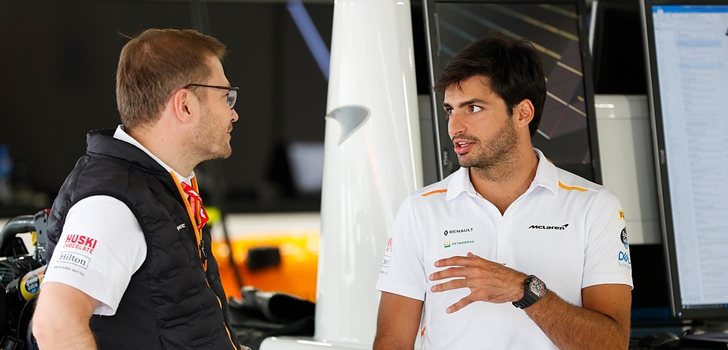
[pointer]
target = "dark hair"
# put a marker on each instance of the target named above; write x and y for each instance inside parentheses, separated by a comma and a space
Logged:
(513, 67)
(154, 64)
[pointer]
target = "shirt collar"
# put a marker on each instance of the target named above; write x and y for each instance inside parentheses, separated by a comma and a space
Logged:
(547, 176)
(120, 134)
(459, 183)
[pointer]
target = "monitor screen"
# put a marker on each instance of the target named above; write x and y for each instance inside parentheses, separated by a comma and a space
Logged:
(615, 38)
(307, 166)
(687, 44)
(567, 133)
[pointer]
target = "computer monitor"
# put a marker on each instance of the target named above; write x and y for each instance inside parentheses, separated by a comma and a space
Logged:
(615, 40)
(557, 28)
(687, 56)
(307, 166)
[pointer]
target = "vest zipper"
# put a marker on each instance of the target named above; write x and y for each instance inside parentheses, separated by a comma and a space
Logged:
(219, 304)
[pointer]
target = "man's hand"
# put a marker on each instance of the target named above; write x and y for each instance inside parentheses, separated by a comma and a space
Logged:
(487, 280)
(604, 316)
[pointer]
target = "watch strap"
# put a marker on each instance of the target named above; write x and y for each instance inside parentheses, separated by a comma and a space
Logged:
(529, 297)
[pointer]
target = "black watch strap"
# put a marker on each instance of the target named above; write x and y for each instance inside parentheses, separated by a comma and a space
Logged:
(533, 290)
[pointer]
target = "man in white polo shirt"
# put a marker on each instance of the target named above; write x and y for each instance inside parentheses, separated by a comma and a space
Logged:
(509, 252)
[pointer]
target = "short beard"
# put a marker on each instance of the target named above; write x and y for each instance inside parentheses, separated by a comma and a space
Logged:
(497, 161)
(202, 139)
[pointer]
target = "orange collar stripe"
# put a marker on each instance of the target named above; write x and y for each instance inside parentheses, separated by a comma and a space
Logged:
(572, 188)
(434, 192)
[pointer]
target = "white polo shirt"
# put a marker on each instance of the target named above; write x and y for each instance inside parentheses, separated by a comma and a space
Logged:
(101, 245)
(564, 229)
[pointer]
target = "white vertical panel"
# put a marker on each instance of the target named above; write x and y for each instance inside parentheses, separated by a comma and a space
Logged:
(372, 161)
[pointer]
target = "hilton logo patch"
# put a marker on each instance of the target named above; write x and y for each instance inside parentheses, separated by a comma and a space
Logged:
(74, 259)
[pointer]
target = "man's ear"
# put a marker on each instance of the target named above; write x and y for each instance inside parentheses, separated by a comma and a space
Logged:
(523, 113)
(184, 104)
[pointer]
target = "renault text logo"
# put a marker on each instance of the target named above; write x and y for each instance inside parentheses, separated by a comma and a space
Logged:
(545, 227)
(460, 230)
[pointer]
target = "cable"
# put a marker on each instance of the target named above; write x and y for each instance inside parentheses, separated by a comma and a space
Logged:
(218, 190)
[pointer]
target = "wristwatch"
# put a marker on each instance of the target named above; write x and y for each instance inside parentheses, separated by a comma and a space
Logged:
(534, 289)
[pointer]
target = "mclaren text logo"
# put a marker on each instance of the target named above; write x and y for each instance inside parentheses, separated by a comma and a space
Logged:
(459, 230)
(546, 227)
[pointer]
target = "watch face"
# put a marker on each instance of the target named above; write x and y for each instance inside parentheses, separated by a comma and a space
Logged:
(537, 287)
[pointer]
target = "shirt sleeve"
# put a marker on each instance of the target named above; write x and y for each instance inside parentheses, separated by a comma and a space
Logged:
(402, 271)
(607, 259)
(100, 248)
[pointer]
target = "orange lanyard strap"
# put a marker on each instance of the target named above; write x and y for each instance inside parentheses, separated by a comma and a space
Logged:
(197, 215)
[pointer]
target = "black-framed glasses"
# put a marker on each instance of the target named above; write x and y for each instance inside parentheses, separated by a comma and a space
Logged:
(232, 94)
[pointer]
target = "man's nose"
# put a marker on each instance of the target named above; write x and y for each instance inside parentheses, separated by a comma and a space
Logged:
(455, 124)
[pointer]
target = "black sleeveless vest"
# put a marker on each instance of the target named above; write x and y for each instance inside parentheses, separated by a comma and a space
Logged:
(171, 302)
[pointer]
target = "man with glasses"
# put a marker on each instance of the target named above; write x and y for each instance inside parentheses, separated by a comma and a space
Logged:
(130, 262)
